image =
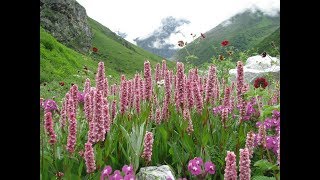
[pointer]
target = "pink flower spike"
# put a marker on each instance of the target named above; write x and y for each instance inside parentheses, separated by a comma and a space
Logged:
(230, 172)
(147, 150)
(48, 123)
(89, 158)
(244, 163)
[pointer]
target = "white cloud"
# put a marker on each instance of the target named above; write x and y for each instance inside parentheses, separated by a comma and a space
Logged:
(139, 18)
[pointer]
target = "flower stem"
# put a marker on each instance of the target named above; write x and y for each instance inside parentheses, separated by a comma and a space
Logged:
(274, 172)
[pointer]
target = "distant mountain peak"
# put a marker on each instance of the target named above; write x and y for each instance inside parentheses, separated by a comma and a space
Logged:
(243, 30)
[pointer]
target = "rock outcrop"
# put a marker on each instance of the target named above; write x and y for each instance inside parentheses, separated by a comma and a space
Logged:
(163, 172)
(258, 66)
(66, 20)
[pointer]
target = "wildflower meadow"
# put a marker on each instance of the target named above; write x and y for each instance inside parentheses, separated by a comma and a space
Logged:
(202, 125)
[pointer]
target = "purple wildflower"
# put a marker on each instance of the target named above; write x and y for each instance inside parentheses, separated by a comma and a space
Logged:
(210, 167)
(127, 169)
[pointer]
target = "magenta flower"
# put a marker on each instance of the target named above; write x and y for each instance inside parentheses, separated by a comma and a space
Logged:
(127, 169)
(106, 172)
(50, 105)
(244, 163)
(210, 167)
(230, 172)
(89, 158)
(129, 177)
(80, 97)
(194, 167)
(116, 175)
(198, 161)
(147, 150)
(48, 124)
(275, 114)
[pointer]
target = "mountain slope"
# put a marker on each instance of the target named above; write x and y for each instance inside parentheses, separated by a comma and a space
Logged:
(118, 53)
(266, 44)
(58, 63)
(243, 31)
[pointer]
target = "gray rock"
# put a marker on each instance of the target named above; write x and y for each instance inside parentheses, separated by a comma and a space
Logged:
(66, 20)
(257, 66)
(155, 173)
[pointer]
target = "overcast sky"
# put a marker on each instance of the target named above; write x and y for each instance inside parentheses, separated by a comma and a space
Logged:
(139, 18)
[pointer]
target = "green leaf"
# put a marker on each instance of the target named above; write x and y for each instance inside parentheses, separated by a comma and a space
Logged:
(265, 165)
(163, 133)
(80, 169)
(171, 151)
(125, 133)
(205, 139)
(263, 178)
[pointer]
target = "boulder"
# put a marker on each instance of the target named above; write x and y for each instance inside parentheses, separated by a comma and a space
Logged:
(258, 66)
(155, 172)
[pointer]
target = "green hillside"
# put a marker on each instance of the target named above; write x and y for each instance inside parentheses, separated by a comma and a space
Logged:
(59, 63)
(119, 54)
(267, 44)
(243, 31)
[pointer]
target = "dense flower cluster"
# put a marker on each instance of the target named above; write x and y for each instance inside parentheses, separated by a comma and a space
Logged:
(196, 167)
(49, 105)
(126, 174)
(147, 150)
(230, 172)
